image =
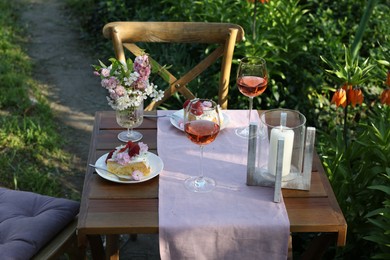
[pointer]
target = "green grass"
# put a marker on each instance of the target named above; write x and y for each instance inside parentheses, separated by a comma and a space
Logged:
(31, 154)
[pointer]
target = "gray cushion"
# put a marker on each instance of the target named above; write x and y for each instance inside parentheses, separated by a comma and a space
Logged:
(28, 221)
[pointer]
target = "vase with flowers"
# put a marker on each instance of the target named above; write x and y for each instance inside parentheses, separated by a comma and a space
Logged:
(128, 86)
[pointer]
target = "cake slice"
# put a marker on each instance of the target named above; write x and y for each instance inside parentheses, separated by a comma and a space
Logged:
(129, 159)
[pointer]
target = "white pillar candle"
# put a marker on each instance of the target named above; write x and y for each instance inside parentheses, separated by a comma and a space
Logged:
(288, 135)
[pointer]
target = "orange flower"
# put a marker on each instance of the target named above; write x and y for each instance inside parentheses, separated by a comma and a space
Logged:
(385, 96)
(388, 79)
(355, 96)
(346, 86)
(340, 98)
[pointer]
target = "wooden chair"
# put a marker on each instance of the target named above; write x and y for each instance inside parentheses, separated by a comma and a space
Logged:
(65, 242)
(224, 35)
(33, 226)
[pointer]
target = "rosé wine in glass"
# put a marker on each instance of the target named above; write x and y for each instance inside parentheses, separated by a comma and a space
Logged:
(201, 132)
(252, 81)
(251, 86)
(201, 125)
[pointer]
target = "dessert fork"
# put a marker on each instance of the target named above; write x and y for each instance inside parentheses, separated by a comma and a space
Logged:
(120, 177)
(176, 117)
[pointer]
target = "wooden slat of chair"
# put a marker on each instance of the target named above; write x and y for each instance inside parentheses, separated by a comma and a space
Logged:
(65, 242)
(126, 34)
(174, 84)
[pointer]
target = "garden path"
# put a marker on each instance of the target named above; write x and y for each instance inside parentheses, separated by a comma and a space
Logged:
(62, 66)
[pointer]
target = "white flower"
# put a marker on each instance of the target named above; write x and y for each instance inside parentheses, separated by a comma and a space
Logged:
(122, 102)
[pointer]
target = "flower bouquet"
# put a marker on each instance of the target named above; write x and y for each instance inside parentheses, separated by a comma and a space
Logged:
(127, 83)
(128, 86)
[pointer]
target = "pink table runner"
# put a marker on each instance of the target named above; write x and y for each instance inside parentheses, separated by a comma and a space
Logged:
(234, 221)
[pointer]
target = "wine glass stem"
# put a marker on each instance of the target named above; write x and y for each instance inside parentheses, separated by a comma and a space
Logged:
(129, 132)
(201, 162)
(250, 108)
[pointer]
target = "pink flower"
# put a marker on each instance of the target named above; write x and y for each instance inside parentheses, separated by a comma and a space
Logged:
(142, 66)
(113, 94)
(105, 72)
(120, 90)
(137, 175)
(123, 158)
(141, 84)
(207, 104)
(143, 148)
(112, 83)
(104, 83)
(144, 72)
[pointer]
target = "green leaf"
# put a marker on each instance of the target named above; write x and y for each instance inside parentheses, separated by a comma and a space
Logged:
(381, 211)
(384, 62)
(378, 239)
(381, 256)
(102, 64)
(383, 188)
(129, 64)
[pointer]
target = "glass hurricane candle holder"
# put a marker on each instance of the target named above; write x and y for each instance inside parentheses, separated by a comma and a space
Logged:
(288, 125)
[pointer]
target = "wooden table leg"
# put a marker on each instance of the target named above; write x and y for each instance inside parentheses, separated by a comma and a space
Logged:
(112, 247)
(96, 245)
(290, 249)
(319, 245)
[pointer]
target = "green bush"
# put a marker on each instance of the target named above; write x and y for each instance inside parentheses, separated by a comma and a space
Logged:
(380, 220)
(353, 169)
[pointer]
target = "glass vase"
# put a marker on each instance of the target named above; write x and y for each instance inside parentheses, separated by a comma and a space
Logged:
(130, 118)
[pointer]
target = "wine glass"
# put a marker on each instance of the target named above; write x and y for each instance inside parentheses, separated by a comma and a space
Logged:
(252, 80)
(201, 125)
(130, 118)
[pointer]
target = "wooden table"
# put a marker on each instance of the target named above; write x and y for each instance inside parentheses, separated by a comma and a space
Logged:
(111, 209)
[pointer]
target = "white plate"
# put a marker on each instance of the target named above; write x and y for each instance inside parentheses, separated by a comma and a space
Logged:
(155, 163)
(177, 120)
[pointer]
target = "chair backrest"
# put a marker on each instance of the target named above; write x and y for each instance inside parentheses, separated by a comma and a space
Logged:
(224, 35)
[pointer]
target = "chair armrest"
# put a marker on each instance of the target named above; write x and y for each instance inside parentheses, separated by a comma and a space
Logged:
(64, 242)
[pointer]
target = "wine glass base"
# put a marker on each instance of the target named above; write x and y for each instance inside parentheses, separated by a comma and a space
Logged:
(243, 132)
(200, 184)
(134, 136)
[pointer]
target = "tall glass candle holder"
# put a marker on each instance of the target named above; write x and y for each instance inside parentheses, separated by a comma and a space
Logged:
(289, 126)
